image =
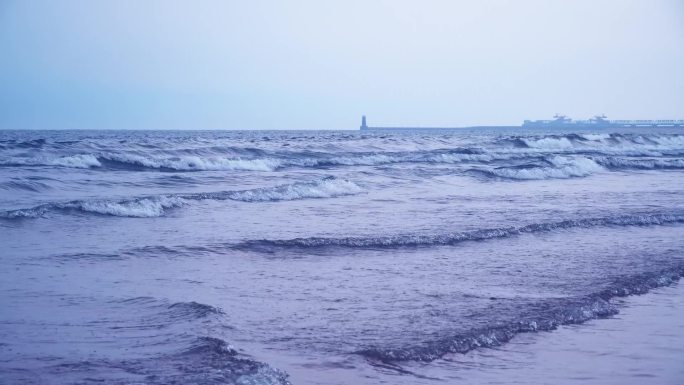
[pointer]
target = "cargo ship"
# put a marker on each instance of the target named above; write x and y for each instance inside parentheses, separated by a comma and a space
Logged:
(599, 121)
(558, 121)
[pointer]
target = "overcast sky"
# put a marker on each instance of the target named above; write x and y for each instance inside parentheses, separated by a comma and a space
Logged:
(322, 64)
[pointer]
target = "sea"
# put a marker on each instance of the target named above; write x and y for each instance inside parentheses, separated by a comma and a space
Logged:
(340, 257)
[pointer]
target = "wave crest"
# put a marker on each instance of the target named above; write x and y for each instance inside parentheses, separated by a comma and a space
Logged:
(138, 208)
(71, 161)
(562, 168)
(326, 188)
(417, 240)
(549, 143)
(156, 206)
(547, 316)
(641, 164)
(194, 163)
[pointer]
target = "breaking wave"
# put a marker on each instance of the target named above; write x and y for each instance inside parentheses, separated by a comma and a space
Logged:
(596, 137)
(549, 143)
(545, 316)
(126, 161)
(326, 188)
(156, 206)
(191, 163)
(137, 208)
(417, 240)
(560, 168)
(607, 144)
(641, 164)
(231, 158)
(72, 161)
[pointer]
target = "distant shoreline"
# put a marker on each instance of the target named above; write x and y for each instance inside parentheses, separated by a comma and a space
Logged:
(439, 128)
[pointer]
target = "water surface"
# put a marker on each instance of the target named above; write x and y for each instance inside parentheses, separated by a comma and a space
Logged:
(240, 257)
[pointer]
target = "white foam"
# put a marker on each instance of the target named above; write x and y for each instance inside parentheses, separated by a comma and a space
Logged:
(72, 161)
(264, 375)
(139, 208)
(595, 137)
(380, 159)
(196, 163)
(458, 158)
(77, 161)
(155, 206)
(326, 188)
(366, 160)
(607, 144)
(669, 141)
(563, 168)
(640, 163)
(550, 143)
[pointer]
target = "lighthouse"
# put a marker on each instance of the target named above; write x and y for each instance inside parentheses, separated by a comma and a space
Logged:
(363, 123)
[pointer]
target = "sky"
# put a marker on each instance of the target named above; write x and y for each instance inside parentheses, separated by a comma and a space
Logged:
(319, 64)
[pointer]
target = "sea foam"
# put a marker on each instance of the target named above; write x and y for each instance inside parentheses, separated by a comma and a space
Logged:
(561, 168)
(156, 206)
(326, 188)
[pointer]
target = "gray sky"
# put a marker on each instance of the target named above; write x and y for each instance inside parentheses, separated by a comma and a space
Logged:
(321, 64)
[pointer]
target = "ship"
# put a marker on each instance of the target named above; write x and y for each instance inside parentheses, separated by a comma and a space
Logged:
(598, 121)
(558, 121)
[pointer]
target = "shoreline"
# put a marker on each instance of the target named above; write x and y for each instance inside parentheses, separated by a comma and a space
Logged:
(644, 342)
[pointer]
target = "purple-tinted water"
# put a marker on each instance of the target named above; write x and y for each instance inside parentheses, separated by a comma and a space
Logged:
(240, 257)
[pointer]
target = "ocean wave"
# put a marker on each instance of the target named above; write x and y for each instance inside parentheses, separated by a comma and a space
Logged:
(276, 161)
(23, 144)
(595, 137)
(33, 212)
(76, 161)
(137, 157)
(25, 185)
(606, 144)
(211, 357)
(545, 316)
(70, 161)
(451, 156)
(671, 141)
(305, 159)
(192, 162)
(417, 240)
(204, 360)
(326, 188)
(187, 310)
(156, 206)
(549, 143)
(184, 353)
(561, 168)
(138, 208)
(570, 155)
(642, 164)
(150, 312)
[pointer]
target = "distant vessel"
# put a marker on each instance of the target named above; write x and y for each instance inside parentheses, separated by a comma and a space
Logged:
(599, 121)
(558, 121)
